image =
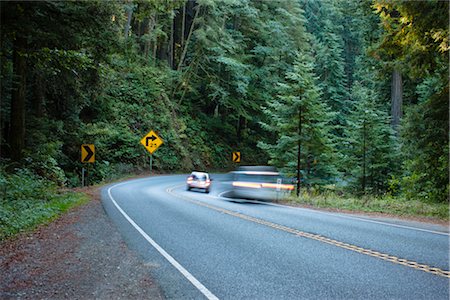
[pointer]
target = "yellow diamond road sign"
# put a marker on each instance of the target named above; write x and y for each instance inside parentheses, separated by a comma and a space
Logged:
(151, 141)
(87, 153)
(236, 157)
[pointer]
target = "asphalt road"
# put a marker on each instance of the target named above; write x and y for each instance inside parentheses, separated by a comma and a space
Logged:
(204, 246)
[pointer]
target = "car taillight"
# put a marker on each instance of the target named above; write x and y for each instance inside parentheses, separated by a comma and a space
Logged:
(247, 184)
(288, 187)
(269, 185)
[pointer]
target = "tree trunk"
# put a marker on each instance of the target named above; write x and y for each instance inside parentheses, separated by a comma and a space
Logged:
(170, 58)
(241, 125)
(396, 99)
(238, 129)
(151, 27)
(363, 181)
(183, 25)
(162, 51)
(216, 111)
(39, 96)
(17, 133)
(143, 29)
(183, 54)
(299, 145)
(155, 45)
(129, 15)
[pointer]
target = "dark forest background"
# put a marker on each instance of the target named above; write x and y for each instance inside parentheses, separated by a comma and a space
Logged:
(361, 86)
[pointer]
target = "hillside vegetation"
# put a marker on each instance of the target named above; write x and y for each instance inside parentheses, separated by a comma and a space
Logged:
(357, 89)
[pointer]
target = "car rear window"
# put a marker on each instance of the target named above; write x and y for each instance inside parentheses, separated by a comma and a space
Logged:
(199, 176)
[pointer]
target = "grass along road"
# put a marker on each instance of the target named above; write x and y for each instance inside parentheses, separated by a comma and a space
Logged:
(386, 205)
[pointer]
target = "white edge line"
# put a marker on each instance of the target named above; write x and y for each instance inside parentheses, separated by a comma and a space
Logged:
(346, 217)
(166, 255)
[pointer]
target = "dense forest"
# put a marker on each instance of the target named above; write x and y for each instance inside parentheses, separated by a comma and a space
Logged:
(355, 92)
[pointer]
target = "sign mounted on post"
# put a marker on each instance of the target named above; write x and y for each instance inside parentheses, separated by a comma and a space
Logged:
(87, 156)
(236, 157)
(87, 153)
(151, 141)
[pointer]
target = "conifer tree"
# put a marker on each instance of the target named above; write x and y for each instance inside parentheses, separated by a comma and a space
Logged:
(325, 25)
(416, 37)
(300, 120)
(370, 151)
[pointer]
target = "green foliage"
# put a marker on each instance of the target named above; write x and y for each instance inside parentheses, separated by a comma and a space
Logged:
(253, 72)
(24, 185)
(416, 32)
(385, 204)
(45, 156)
(27, 200)
(299, 116)
(370, 151)
(416, 38)
(426, 143)
(325, 24)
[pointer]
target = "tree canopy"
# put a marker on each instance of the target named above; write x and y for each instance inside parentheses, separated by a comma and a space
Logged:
(287, 83)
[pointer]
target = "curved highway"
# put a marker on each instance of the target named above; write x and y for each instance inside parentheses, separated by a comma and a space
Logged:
(201, 245)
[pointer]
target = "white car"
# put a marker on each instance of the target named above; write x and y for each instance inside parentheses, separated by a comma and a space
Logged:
(198, 180)
(259, 183)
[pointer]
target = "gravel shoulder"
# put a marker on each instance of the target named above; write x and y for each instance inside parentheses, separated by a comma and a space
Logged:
(81, 255)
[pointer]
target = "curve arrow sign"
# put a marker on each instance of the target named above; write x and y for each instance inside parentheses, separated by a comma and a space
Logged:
(87, 153)
(236, 157)
(151, 141)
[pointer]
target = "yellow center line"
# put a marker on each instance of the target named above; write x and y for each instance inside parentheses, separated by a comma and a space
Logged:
(320, 238)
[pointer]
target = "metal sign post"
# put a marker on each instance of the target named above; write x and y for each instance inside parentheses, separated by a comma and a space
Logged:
(87, 156)
(151, 163)
(82, 177)
(151, 142)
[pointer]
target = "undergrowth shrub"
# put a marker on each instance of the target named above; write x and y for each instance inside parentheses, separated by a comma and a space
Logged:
(27, 200)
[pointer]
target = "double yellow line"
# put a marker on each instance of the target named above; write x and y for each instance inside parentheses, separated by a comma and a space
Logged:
(320, 238)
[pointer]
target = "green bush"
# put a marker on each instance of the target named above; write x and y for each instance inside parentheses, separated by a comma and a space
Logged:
(27, 200)
(25, 185)
(368, 203)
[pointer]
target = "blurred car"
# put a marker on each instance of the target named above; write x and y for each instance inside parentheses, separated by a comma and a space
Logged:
(198, 180)
(259, 183)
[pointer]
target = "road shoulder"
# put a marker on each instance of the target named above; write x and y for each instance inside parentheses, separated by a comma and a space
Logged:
(79, 256)
(426, 223)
